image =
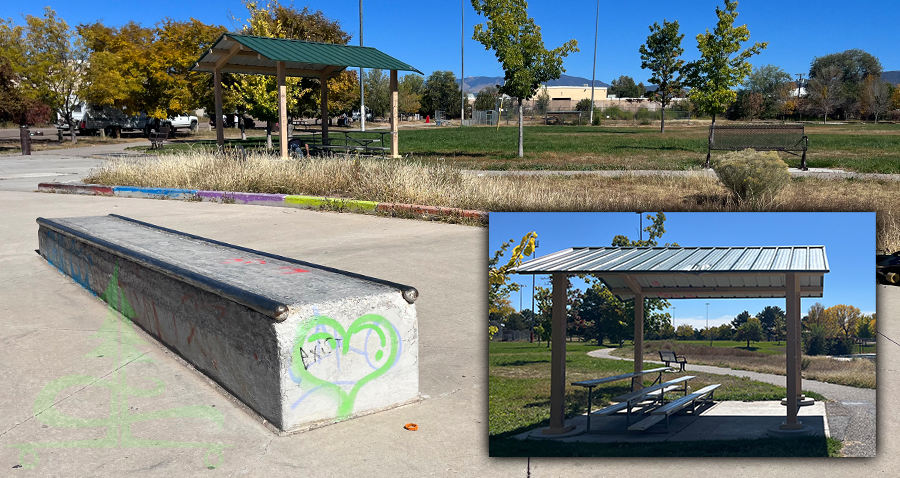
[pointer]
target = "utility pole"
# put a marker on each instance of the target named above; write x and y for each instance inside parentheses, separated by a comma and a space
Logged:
(362, 95)
(462, 55)
(594, 71)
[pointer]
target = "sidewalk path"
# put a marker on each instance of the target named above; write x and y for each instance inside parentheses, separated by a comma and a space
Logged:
(851, 416)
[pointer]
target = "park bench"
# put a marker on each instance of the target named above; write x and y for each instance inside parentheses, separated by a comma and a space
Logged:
(761, 137)
(590, 384)
(158, 137)
(298, 343)
(703, 395)
(669, 356)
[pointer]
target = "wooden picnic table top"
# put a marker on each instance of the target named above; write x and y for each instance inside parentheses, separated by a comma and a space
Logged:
(640, 394)
(595, 382)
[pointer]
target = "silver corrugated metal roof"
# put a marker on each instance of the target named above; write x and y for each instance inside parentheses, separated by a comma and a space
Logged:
(691, 272)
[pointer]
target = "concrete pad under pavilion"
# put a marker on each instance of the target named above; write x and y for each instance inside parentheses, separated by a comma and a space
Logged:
(788, 272)
(281, 57)
(729, 420)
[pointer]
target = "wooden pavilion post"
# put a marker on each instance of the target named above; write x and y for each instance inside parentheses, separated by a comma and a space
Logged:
(282, 110)
(324, 82)
(558, 359)
(637, 383)
(220, 128)
(792, 299)
(395, 142)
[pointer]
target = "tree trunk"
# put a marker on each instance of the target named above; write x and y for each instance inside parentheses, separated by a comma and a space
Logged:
(521, 130)
(662, 119)
(748, 344)
(71, 127)
(268, 134)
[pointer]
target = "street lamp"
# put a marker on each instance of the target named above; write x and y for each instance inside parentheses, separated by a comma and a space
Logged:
(362, 96)
(708, 332)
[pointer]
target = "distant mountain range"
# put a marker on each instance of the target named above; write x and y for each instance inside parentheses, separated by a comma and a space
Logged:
(474, 84)
(892, 77)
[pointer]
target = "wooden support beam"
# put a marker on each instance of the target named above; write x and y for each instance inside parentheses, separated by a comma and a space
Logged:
(637, 382)
(558, 358)
(395, 118)
(266, 70)
(792, 319)
(220, 127)
(324, 86)
(227, 56)
(240, 53)
(695, 292)
(282, 111)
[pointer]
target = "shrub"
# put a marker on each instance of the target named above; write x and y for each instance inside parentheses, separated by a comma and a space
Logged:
(752, 175)
(840, 346)
(815, 343)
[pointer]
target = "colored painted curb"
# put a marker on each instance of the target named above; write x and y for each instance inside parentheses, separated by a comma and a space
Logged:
(260, 199)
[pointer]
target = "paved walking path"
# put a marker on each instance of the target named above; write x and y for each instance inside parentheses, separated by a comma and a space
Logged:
(851, 415)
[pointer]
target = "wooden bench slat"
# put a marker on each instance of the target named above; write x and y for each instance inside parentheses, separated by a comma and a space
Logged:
(676, 405)
(598, 381)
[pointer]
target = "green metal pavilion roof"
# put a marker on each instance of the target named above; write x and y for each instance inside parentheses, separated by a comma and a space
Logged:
(235, 53)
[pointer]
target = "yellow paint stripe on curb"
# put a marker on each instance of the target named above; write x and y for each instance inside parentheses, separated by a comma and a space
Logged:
(318, 202)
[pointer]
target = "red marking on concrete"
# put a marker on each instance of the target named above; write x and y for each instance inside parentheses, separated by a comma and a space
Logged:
(220, 308)
(191, 337)
(77, 188)
(244, 261)
(156, 317)
(293, 270)
(433, 210)
(256, 357)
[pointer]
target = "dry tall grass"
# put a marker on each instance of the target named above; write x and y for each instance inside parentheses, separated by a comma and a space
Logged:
(855, 373)
(441, 184)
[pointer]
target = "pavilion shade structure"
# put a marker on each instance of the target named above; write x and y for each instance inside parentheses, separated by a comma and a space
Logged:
(260, 55)
(283, 57)
(638, 273)
(691, 272)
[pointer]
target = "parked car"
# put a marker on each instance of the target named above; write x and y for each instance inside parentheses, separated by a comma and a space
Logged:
(249, 123)
(182, 121)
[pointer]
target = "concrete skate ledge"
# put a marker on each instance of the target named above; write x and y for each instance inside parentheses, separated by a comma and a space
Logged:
(300, 344)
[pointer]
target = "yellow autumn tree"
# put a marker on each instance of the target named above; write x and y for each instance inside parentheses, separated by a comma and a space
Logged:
(845, 317)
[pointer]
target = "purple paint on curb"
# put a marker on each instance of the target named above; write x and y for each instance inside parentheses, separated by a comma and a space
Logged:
(260, 199)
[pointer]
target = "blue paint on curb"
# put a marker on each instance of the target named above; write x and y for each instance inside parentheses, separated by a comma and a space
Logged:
(127, 191)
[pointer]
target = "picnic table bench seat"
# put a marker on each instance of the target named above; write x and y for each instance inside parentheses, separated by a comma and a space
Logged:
(590, 384)
(638, 396)
(663, 412)
(669, 356)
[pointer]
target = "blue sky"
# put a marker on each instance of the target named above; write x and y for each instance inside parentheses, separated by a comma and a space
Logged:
(426, 33)
(849, 240)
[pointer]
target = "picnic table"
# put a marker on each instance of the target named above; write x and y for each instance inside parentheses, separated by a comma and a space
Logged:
(590, 384)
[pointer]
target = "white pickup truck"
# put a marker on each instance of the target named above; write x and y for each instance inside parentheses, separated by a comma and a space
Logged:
(182, 121)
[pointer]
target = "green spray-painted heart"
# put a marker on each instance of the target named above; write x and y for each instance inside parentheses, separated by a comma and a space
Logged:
(314, 331)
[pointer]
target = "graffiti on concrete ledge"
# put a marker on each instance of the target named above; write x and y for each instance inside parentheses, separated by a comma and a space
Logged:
(119, 343)
(327, 358)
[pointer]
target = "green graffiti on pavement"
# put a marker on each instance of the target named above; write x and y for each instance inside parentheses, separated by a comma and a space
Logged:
(340, 343)
(120, 343)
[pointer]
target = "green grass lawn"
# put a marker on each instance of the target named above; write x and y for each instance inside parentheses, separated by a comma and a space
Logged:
(862, 148)
(519, 400)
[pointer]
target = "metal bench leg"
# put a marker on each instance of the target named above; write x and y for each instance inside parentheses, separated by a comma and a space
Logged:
(707, 159)
(803, 162)
(589, 410)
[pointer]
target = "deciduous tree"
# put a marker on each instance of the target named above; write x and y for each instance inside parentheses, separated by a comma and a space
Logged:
(661, 55)
(722, 65)
(875, 96)
(441, 93)
(825, 90)
(378, 92)
(740, 319)
(845, 316)
(517, 43)
(49, 59)
(854, 65)
(624, 87)
(486, 99)
(411, 87)
(752, 330)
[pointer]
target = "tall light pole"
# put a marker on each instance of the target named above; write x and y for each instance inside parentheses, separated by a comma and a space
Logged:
(362, 95)
(799, 82)
(462, 56)
(708, 332)
(594, 73)
(533, 252)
